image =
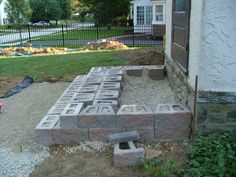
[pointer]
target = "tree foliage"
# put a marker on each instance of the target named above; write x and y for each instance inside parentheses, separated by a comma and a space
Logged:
(106, 11)
(65, 6)
(45, 10)
(17, 11)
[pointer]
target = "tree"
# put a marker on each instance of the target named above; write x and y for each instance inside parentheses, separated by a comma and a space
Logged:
(66, 8)
(17, 11)
(45, 10)
(106, 11)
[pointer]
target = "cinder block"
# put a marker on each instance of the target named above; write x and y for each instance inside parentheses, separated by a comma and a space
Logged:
(123, 137)
(110, 86)
(115, 72)
(156, 72)
(67, 136)
(134, 116)
(134, 70)
(88, 89)
(57, 109)
(95, 80)
(172, 115)
(146, 133)
(126, 154)
(86, 98)
(112, 103)
(65, 99)
(107, 95)
(69, 116)
(100, 134)
(44, 129)
(172, 133)
(112, 79)
(99, 69)
(97, 117)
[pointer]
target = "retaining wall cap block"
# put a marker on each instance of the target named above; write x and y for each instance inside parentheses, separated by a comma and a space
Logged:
(107, 95)
(129, 156)
(57, 109)
(123, 137)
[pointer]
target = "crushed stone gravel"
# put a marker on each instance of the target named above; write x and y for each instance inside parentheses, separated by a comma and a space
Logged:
(145, 91)
(19, 152)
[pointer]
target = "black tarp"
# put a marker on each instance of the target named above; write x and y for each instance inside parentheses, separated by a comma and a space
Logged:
(24, 84)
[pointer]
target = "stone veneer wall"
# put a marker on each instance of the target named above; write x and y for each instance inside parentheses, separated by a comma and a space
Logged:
(216, 111)
(179, 83)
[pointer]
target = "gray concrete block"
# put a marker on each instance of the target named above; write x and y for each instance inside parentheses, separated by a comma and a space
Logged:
(134, 116)
(112, 103)
(95, 80)
(97, 117)
(100, 134)
(115, 72)
(172, 115)
(123, 137)
(88, 89)
(126, 154)
(156, 72)
(110, 86)
(44, 129)
(57, 109)
(107, 95)
(116, 78)
(69, 116)
(134, 70)
(86, 98)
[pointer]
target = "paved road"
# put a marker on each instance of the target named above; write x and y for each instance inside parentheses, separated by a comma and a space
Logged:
(35, 32)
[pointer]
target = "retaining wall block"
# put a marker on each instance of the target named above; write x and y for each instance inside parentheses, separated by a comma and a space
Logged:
(67, 136)
(127, 156)
(135, 116)
(134, 70)
(107, 95)
(146, 133)
(86, 98)
(44, 129)
(116, 78)
(113, 103)
(69, 116)
(88, 89)
(97, 117)
(101, 134)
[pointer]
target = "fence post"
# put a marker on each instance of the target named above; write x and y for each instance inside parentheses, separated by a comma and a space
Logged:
(29, 33)
(63, 35)
(21, 42)
(133, 34)
(97, 31)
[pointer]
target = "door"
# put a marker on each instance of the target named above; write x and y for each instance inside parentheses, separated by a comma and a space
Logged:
(180, 33)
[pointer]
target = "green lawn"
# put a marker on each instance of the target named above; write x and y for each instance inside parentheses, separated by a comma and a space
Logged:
(57, 65)
(87, 33)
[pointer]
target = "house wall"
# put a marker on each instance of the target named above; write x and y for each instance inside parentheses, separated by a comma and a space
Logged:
(212, 54)
(3, 15)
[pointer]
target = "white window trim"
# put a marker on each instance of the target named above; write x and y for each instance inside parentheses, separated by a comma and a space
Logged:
(154, 14)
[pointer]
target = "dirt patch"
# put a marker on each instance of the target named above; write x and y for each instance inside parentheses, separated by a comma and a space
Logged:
(8, 82)
(33, 51)
(143, 56)
(104, 45)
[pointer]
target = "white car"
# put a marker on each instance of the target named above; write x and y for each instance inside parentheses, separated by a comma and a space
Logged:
(41, 23)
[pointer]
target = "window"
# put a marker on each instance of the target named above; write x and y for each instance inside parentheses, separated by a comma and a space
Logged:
(179, 5)
(140, 15)
(132, 11)
(148, 15)
(144, 15)
(159, 16)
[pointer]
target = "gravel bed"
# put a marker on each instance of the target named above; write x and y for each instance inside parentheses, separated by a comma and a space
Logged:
(19, 152)
(145, 91)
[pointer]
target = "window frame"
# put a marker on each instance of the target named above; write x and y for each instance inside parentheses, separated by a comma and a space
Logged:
(155, 14)
(145, 15)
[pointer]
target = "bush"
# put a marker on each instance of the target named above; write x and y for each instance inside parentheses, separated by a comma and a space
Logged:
(212, 156)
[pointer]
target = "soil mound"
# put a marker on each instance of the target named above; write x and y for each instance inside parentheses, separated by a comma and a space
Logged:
(104, 45)
(144, 56)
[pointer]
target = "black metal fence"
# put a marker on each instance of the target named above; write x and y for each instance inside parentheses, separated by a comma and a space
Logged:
(77, 35)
